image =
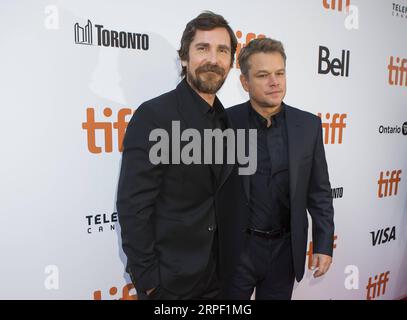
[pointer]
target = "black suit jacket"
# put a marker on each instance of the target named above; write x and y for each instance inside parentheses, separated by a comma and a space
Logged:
(309, 187)
(168, 213)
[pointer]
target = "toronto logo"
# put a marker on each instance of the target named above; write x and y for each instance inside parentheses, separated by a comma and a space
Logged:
(110, 38)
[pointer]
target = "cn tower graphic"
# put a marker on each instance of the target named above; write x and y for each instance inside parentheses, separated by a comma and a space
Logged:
(83, 35)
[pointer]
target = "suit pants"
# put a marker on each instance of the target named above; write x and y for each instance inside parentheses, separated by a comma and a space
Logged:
(265, 265)
(207, 288)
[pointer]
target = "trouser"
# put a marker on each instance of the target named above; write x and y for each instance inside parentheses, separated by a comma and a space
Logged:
(207, 288)
(265, 265)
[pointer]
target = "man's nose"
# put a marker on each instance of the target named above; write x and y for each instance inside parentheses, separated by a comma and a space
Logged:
(212, 57)
(273, 80)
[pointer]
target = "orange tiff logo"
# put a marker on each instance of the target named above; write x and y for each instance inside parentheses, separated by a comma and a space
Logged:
(388, 184)
(105, 127)
(397, 72)
(242, 43)
(331, 4)
(379, 283)
(311, 250)
(335, 125)
(97, 295)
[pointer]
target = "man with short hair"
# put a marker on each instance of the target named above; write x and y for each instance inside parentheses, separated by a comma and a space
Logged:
(271, 227)
(169, 213)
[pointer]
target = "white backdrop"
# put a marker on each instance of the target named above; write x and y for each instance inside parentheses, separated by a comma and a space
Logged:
(59, 236)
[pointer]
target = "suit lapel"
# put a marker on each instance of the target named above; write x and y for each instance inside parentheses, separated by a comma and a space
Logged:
(227, 168)
(242, 122)
(193, 119)
(186, 108)
(295, 136)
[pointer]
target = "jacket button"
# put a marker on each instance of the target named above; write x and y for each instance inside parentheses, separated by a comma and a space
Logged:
(211, 228)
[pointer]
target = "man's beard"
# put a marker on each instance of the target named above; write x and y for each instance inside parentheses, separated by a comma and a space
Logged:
(212, 83)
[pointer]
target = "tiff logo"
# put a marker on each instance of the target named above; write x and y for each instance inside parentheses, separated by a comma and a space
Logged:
(331, 4)
(382, 236)
(352, 12)
(388, 183)
(240, 44)
(338, 67)
(83, 35)
(337, 124)
(397, 72)
(125, 293)
(91, 126)
(379, 284)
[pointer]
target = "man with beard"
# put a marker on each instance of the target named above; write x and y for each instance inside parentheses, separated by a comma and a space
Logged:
(169, 213)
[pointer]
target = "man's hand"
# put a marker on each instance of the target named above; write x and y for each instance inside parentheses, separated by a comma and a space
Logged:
(149, 291)
(322, 262)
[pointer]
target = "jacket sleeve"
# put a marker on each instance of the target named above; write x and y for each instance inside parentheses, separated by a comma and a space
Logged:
(319, 202)
(138, 188)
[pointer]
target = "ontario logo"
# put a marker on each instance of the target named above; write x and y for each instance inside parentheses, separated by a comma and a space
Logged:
(110, 38)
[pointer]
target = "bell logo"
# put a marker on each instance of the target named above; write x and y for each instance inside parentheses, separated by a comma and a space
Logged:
(249, 37)
(379, 284)
(311, 251)
(338, 67)
(331, 4)
(330, 128)
(397, 72)
(107, 127)
(389, 184)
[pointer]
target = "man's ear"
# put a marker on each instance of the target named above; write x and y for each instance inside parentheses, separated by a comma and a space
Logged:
(244, 82)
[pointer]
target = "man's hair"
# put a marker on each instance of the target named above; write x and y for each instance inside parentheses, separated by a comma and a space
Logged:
(207, 20)
(265, 45)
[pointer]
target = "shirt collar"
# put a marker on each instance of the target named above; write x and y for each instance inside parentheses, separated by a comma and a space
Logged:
(202, 105)
(260, 121)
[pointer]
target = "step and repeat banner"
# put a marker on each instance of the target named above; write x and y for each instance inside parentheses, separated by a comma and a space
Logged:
(72, 73)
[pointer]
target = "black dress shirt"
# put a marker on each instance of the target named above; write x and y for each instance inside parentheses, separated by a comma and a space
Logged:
(213, 117)
(269, 186)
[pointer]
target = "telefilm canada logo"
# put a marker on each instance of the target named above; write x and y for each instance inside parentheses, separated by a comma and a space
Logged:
(399, 10)
(102, 222)
(110, 38)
